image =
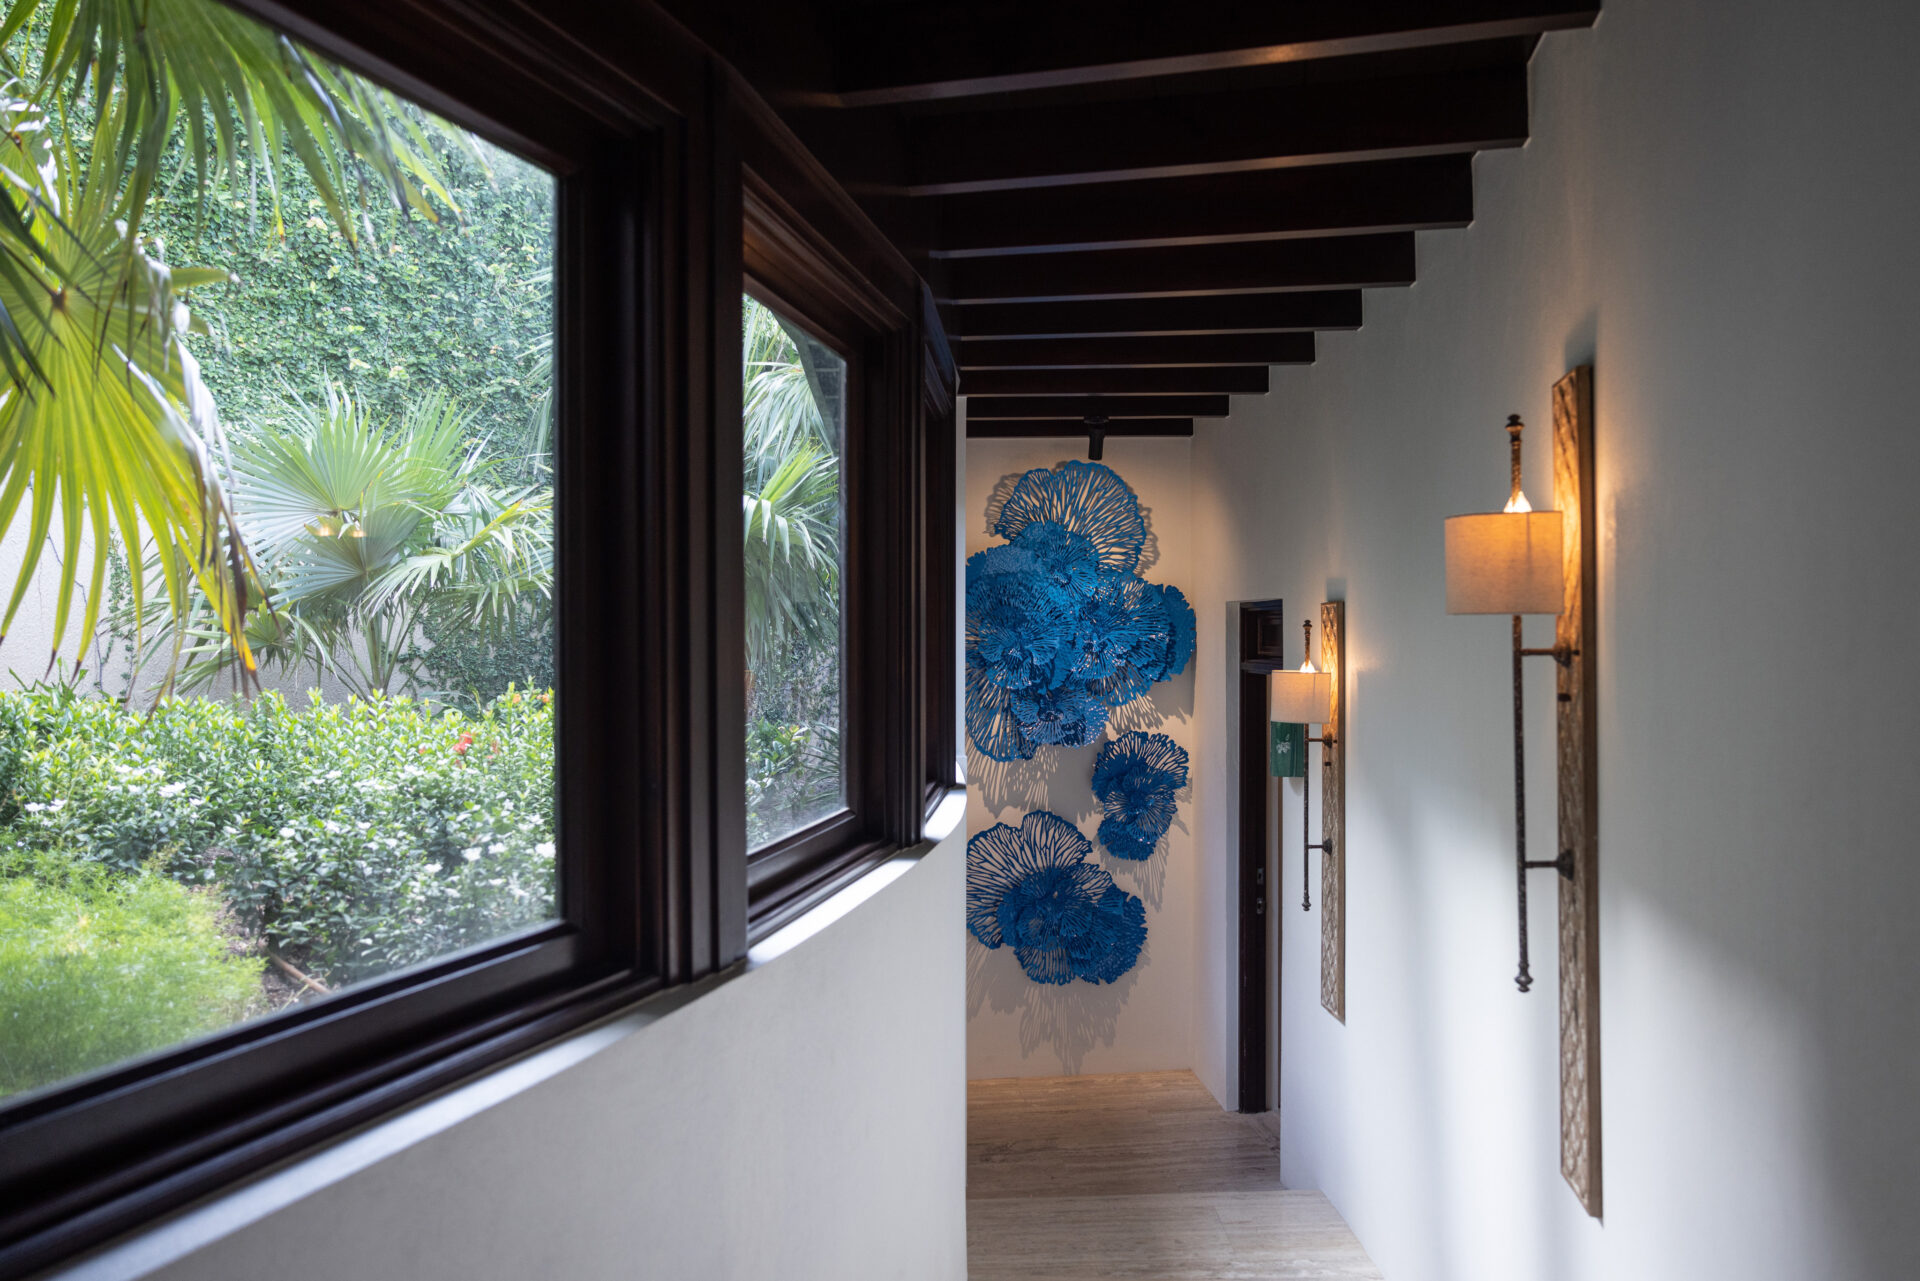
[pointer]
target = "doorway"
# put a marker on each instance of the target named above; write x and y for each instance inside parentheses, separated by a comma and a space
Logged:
(1261, 632)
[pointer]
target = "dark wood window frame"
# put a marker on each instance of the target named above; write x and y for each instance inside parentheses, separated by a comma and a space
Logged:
(676, 183)
(788, 265)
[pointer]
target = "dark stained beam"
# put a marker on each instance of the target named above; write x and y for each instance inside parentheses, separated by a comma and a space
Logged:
(1427, 193)
(924, 51)
(1270, 128)
(1334, 262)
(1078, 408)
(1221, 313)
(1139, 353)
(1239, 380)
(1029, 427)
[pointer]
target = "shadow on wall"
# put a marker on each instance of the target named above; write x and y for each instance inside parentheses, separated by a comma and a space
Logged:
(1068, 1019)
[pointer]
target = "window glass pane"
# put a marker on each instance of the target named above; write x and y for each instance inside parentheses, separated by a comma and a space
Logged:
(794, 399)
(289, 409)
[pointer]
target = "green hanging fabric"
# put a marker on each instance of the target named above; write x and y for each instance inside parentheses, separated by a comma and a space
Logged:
(1289, 750)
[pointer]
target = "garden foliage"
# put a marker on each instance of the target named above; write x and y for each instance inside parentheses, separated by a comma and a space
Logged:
(352, 838)
(96, 967)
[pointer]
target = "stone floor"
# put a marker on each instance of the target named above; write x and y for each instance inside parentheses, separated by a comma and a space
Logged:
(1136, 1176)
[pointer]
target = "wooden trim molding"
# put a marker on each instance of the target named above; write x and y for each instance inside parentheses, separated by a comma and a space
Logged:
(1577, 631)
(1333, 815)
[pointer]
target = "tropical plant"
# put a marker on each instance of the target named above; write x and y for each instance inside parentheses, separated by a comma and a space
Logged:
(104, 420)
(361, 528)
(791, 498)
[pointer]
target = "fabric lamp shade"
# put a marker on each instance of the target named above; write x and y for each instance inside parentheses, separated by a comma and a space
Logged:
(1504, 563)
(1300, 698)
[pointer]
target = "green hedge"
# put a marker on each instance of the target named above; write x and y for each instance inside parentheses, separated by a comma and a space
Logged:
(352, 837)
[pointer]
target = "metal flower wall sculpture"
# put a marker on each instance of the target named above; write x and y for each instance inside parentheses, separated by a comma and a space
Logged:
(1135, 777)
(1061, 628)
(1031, 888)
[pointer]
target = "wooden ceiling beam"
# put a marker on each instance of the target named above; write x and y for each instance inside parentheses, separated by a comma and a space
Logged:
(1069, 427)
(1237, 380)
(1426, 193)
(1186, 351)
(921, 52)
(1078, 408)
(1291, 126)
(1333, 262)
(1221, 313)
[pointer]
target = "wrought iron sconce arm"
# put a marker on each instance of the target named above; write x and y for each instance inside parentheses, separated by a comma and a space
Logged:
(1563, 655)
(1306, 828)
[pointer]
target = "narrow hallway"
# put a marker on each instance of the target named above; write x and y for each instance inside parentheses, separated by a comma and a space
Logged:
(1136, 1175)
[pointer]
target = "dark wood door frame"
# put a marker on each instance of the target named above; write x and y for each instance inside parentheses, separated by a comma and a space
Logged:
(1262, 634)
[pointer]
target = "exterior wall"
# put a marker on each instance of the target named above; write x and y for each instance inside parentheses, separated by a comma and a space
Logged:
(1143, 1022)
(806, 1119)
(1716, 210)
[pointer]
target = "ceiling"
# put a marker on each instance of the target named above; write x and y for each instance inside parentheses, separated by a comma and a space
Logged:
(1129, 211)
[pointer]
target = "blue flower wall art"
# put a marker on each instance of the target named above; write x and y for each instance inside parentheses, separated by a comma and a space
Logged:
(1061, 628)
(1135, 777)
(1031, 888)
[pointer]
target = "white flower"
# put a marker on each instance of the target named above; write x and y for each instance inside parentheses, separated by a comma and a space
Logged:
(498, 847)
(55, 805)
(470, 854)
(544, 849)
(432, 868)
(285, 832)
(173, 789)
(34, 807)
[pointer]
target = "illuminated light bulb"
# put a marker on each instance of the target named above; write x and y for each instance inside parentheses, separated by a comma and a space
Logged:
(1518, 503)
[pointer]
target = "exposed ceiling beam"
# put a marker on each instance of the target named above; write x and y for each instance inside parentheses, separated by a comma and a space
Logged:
(1274, 204)
(1027, 427)
(1009, 148)
(1140, 353)
(1334, 262)
(1078, 408)
(1239, 380)
(896, 53)
(1227, 313)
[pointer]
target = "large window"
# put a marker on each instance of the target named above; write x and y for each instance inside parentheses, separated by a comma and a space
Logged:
(299, 729)
(436, 671)
(793, 397)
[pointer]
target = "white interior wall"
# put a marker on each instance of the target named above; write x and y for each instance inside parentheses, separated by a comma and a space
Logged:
(1716, 208)
(1144, 1021)
(806, 1119)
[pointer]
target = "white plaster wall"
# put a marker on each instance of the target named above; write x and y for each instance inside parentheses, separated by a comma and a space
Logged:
(806, 1119)
(1144, 1021)
(1717, 209)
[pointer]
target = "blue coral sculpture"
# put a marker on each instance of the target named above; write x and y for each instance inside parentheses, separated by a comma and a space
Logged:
(1031, 887)
(1135, 777)
(1061, 628)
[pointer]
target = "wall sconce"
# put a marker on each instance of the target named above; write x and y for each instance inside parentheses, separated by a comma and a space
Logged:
(1518, 562)
(1510, 562)
(1317, 696)
(1304, 697)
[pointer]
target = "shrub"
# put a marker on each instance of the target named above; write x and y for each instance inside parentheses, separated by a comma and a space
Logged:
(354, 837)
(98, 966)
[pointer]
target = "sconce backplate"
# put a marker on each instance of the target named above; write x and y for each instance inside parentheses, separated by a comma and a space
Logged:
(1333, 815)
(1576, 631)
